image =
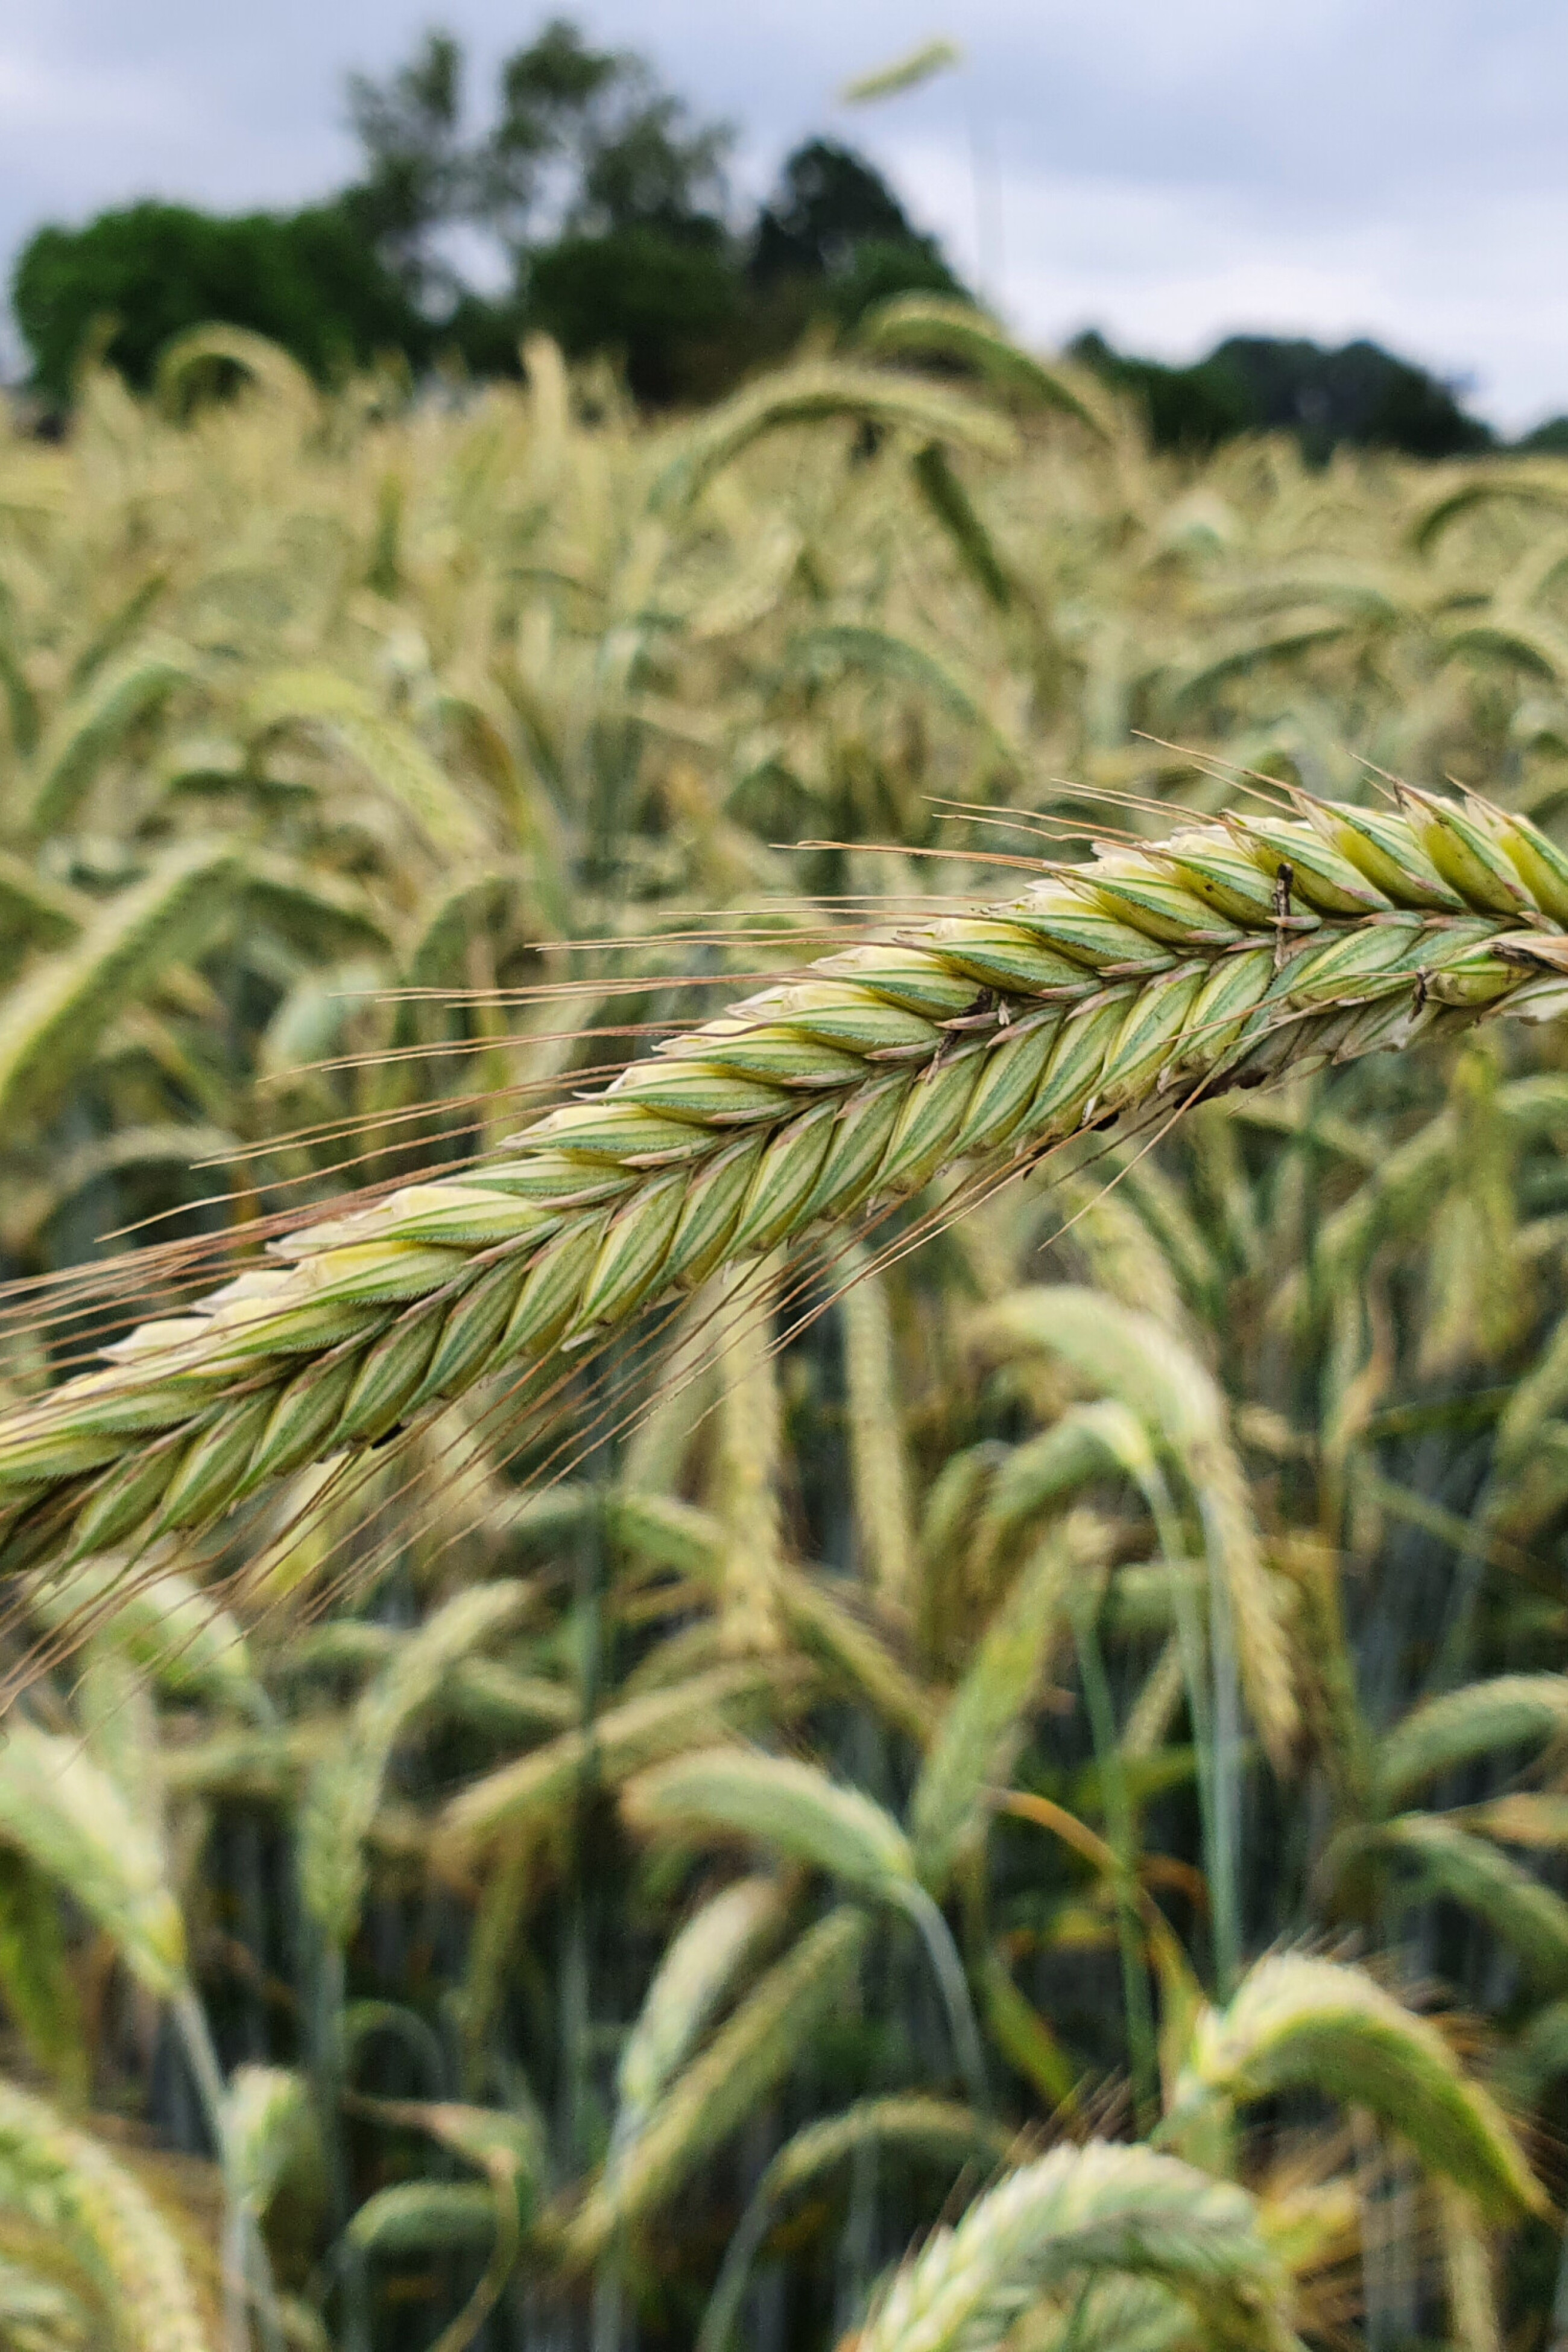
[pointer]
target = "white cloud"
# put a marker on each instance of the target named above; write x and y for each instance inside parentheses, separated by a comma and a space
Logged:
(37, 97)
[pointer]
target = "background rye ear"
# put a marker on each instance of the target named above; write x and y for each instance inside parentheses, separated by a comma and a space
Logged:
(100, 2214)
(1052, 2226)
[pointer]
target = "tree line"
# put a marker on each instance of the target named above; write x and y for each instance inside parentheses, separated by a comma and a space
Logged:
(595, 195)
(598, 203)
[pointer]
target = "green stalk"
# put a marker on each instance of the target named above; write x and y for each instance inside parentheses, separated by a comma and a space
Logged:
(952, 1983)
(1219, 1867)
(1225, 1770)
(1143, 2042)
(247, 2269)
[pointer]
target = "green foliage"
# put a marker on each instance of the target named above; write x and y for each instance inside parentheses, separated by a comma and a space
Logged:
(665, 306)
(131, 282)
(1361, 397)
(835, 232)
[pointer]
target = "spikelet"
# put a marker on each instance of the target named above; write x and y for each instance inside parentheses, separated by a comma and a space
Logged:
(178, 1634)
(1394, 1197)
(1445, 1733)
(424, 2217)
(1152, 1712)
(1045, 1471)
(504, 1898)
(657, 1447)
(802, 1814)
(1445, 1859)
(826, 1625)
(1102, 987)
(936, 326)
(52, 1019)
(817, 390)
(781, 1803)
(72, 1820)
(86, 732)
(36, 2314)
(1109, 2314)
(618, 1743)
(1123, 1257)
(507, 2143)
(938, 2130)
(323, 700)
(1476, 1272)
(1078, 2211)
(508, 2148)
(269, 2130)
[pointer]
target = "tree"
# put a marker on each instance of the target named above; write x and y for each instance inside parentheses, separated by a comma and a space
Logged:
(545, 90)
(642, 264)
(669, 308)
(1360, 395)
(605, 193)
(145, 274)
(828, 202)
(417, 173)
(834, 229)
(1193, 408)
(584, 141)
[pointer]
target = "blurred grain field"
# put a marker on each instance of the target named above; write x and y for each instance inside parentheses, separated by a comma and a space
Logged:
(1001, 1783)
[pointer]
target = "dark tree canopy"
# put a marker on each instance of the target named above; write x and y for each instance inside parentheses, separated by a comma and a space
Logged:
(544, 92)
(666, 307)
(1360, 395)
(835, 232)
(829, 202)
(148, 273)
(647, 166)
(416, 172)
(603, 192)
(583, 141)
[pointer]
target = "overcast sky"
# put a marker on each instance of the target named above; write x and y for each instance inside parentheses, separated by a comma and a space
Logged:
(1169, 170)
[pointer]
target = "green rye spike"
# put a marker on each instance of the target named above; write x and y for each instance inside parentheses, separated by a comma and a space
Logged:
(984, 1039)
